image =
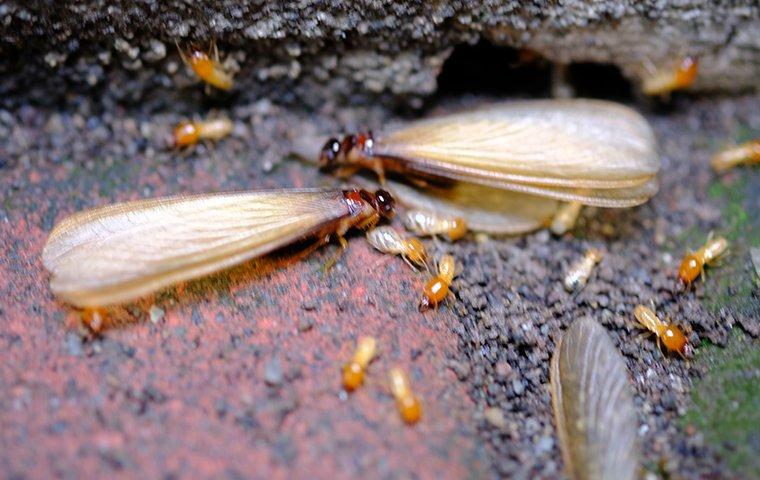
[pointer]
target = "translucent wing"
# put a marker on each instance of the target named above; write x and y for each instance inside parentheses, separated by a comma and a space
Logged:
(596, 152)
(120, 252)
(593, 405)
(484, 209)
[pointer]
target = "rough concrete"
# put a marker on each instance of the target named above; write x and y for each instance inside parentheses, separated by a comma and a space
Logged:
(238, 375)
(311, 50)
(241, 372)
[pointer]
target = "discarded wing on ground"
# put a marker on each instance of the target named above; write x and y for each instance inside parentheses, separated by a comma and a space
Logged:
(593, 405)
(121, 252)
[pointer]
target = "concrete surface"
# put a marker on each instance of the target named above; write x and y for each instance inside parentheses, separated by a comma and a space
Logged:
(309, 51)
(238, 375)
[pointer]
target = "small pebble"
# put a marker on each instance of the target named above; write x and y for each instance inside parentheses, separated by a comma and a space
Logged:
(156, 313)
(305, 324)
(273, 372)
(495, 417)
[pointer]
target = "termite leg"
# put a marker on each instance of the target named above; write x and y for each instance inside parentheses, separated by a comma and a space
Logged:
(215, 50)
(369, 223)
(377, 166)
(181, 53)
(334, 259)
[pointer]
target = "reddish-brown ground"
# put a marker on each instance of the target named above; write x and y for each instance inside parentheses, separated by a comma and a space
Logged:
(240, 377)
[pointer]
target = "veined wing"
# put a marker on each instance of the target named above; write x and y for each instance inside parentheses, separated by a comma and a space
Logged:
(485, 209)
(564, 149)
(120, 252)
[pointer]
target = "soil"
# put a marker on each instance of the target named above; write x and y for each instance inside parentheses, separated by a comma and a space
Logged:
(238, 375)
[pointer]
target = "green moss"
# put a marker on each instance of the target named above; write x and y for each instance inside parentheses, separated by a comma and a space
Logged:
(726, 402)
(730, 283)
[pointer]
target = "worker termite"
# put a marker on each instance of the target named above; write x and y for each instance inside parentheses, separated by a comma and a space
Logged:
(745, 154)
(580, 271)
(667, 334)
(122, 252)
(427, 223)
(388, 240)
(693, 263)
(353, 371)
(437, 288)
(565, 218)
(665, 80)
(598, 153)
(189, 133)
(208, 69)
(409, 406)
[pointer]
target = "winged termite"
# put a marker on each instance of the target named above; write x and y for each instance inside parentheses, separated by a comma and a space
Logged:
(594, 152)
(121, 252)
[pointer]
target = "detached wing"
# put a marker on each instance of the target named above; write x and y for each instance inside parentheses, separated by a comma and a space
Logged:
(596, 152)
(121, 252)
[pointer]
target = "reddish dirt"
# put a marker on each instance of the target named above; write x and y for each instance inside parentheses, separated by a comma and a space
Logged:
(240, 377)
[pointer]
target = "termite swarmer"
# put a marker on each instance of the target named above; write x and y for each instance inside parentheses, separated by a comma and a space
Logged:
(429, 223)
(119, 253)
(565, 218)
(745, 154)
(671, 78)
(693, 263)
(388, 240)
(437, 288)
(408, 405)
(187, 134)
(594, 152)
(580, 271)
(208, 69)
(667, 334)
(353, 371)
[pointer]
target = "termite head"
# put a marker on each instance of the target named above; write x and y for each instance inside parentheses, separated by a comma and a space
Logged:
(689, 270)
(353, 147)
(458, 229)
(329, 153)
(686, 72)
(381, 201)
(674, 340)
(184, 135)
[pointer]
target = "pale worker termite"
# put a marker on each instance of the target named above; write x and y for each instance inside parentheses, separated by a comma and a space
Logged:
(409, 406)
(565, 218)
(437, 288)
(669, 78)
(208, 69)
(425, 222)
(594, 152)
(745, 154)
(667, 334)
(581, 270)
(693, 263)
(388, 240)
(187, 134)
(353, 371)
(121, 252)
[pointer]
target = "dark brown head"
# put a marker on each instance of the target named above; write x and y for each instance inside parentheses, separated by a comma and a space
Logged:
(381, 201)
(329, 153)
(335, 153)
